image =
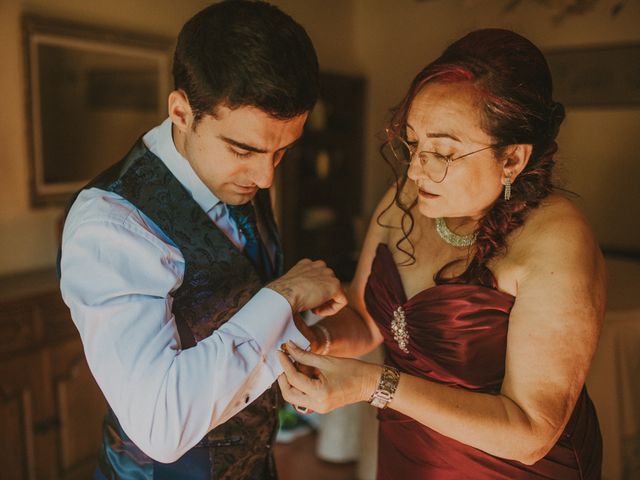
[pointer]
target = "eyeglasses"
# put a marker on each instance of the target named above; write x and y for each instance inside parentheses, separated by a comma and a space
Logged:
(438, 164)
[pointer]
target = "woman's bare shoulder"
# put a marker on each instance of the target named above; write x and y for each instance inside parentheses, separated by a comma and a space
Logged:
(556, 236)
(558, 221)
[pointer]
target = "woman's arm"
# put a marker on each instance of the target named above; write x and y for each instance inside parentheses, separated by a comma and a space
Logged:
(553, 331)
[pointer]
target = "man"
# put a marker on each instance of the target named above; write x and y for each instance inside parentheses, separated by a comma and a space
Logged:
(165, 255)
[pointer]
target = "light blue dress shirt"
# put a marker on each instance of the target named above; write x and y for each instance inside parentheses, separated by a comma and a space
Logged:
(118, 271)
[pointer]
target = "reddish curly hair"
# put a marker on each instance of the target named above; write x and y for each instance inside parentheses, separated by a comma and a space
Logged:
(514, 87)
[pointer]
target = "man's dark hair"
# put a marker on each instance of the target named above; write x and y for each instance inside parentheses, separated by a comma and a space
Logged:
(246, 53)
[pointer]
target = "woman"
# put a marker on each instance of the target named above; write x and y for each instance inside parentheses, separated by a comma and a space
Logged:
(486, 287)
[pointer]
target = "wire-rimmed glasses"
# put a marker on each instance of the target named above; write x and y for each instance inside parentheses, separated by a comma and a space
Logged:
(437, 164)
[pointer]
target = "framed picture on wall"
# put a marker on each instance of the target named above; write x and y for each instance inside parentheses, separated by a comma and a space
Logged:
(91, 92)
(599, 76)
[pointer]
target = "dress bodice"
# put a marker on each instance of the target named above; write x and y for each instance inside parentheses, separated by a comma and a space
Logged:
(457, 332)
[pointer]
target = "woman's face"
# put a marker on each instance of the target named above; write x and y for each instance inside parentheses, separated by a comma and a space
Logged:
(444, 118)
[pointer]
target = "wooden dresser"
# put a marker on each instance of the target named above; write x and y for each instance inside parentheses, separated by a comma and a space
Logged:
(50, 406)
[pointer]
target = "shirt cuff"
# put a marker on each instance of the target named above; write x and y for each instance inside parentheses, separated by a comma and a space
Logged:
(268, 319)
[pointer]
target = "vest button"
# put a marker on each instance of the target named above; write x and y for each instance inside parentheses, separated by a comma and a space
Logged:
(246, 399)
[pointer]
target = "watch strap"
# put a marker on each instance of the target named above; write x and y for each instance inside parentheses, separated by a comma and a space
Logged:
(386, 388)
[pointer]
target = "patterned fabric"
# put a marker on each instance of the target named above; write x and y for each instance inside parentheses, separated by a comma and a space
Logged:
(218, 281)
(245, 218)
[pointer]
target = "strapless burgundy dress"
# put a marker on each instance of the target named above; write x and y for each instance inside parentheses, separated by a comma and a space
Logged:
(457, 337)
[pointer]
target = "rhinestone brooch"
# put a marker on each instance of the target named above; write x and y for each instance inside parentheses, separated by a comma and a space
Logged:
(399, 329)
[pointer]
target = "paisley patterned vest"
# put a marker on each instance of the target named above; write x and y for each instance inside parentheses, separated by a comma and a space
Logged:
(218, 281)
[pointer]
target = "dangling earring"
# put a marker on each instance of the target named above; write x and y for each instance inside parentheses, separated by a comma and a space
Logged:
(507, 188)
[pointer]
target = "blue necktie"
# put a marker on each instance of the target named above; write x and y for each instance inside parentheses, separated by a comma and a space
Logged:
(245, 218)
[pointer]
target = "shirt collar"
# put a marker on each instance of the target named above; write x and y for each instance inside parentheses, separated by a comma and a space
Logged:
(160, 141)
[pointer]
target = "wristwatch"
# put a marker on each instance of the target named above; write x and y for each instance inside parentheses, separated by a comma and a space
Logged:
(386, 387)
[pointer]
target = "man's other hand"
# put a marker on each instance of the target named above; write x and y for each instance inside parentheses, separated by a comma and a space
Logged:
(311, 285)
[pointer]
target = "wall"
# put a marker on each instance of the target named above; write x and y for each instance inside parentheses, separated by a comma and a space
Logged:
(597, 157)
(28, 236)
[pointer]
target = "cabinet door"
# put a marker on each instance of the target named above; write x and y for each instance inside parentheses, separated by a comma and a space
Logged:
(18, 379)
(80, 407)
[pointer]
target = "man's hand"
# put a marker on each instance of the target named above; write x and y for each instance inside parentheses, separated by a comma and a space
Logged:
(311, 286)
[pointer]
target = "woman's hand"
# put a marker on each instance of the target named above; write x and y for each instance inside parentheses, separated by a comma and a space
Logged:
(339, 381)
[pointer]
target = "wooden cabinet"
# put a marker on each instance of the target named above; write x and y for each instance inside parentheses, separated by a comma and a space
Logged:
(50, 406)
(320, 181)
(17, 385)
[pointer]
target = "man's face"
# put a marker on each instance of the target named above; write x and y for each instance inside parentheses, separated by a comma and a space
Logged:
(236, 152)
